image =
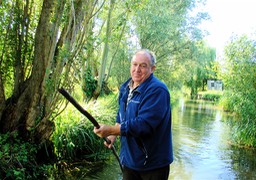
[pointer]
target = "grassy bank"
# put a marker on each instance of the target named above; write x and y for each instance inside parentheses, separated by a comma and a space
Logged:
(210, 95)
(73, 136)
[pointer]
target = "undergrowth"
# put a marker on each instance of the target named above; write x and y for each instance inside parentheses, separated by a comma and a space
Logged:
(73, 136)
(18, 159)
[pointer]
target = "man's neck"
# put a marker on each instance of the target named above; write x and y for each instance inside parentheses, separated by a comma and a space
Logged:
(133, 85)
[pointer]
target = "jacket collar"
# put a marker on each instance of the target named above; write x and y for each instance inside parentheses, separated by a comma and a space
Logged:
(143, 85)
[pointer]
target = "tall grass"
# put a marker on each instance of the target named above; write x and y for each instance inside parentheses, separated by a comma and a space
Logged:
(74, 138)
(243, 106)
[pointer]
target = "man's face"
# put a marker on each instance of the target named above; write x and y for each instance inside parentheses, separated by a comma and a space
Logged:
(140, 67)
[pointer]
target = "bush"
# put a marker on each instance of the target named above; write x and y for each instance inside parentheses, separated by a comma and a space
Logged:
(239, 78)
(210, 95)
(18, 159)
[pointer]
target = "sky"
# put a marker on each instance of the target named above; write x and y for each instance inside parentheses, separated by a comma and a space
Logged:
(229, 17)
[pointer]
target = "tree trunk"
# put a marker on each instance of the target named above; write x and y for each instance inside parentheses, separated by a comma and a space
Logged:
(29, 109)
(24, 110)
(2, 97)
(102, 71)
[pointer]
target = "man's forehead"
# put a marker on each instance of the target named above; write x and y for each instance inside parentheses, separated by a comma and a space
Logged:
(141, 56)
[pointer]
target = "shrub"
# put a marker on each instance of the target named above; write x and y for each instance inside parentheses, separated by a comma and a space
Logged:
(211, 95)
(239, 78)
(18, 159)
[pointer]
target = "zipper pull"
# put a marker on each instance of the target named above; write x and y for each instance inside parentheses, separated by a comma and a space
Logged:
(146, 160)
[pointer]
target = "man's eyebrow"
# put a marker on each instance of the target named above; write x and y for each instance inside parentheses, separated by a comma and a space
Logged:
(138, 63)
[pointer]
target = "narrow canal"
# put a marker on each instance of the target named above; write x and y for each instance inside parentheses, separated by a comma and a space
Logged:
(202, 148)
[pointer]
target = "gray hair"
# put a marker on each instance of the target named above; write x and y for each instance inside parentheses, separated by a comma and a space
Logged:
(151, 54)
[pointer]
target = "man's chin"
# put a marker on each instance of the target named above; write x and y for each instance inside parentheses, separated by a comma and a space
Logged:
(137, 80)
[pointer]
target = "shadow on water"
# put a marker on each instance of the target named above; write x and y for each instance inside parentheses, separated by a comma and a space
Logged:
(202, 150)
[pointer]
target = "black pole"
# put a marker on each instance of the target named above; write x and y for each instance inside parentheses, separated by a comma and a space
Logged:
(91, 119)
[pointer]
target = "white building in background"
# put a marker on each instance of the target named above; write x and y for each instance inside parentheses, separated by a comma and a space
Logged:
(215, 85)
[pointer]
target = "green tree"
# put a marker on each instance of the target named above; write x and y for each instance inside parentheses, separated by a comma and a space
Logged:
(102, 71)
(106, 40)
(239, 78)
(199, 69)
(41, 43)
(171, 32)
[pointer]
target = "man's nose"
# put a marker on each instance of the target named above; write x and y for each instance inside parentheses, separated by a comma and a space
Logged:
(137, 68)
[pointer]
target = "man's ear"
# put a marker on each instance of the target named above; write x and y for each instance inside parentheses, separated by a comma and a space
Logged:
(153, 68)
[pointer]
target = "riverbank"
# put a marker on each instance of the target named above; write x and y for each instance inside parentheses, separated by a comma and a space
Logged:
(209, 95)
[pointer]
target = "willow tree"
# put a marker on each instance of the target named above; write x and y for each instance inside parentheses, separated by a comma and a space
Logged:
(199, 68)
(40, 44)
(169, 30)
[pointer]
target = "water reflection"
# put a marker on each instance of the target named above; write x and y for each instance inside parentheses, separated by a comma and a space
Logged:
(200, 139)
(201, 147)
(202, 150)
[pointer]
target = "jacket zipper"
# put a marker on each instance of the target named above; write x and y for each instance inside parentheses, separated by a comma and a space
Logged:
(143, 148)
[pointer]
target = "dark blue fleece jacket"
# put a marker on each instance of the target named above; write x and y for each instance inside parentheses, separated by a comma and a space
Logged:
(146, 136)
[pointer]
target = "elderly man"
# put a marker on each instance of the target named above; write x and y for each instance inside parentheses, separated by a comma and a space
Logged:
(143, 122)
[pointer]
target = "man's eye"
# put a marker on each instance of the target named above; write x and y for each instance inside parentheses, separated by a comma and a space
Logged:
(140, 65)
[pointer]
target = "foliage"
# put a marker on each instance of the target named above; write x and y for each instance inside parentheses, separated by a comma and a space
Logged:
(199, 68)
(74, 138)
(239, 78)
(211, 95)
(121, 67)
(18, 159)
(171, 34)
(16, 42)
(89, 84)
